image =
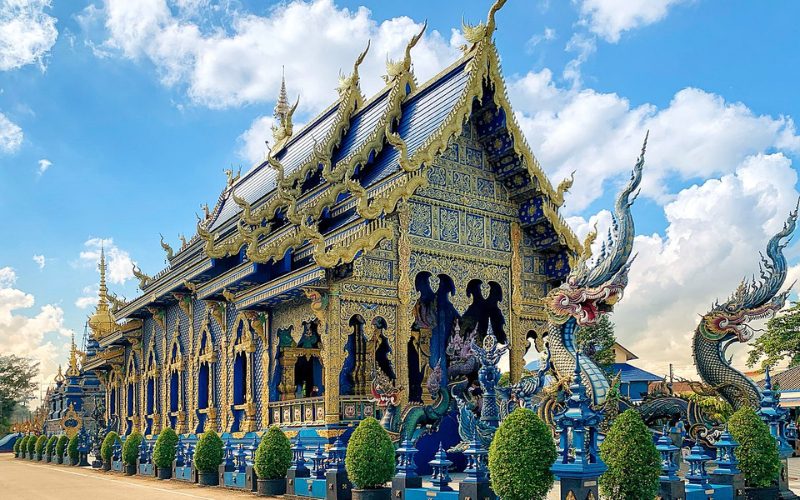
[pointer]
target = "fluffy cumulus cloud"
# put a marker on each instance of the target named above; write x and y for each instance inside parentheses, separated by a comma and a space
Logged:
(239, 61)
(24, 331)
(27, 33)
(118, 261)
(10, 135)
(89, 297)
(610, 18)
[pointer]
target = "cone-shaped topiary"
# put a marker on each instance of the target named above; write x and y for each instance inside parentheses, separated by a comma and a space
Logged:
(632, 459)
(72, 449)
(107, 448)
(50, 448)
(757, 453)
(130, 449)
(61, 445)
(208, 454)
(520, 457)
(18, 445)
(370, 455)
(40, 444)
(31, 445)
(164, 451)
(274, 454)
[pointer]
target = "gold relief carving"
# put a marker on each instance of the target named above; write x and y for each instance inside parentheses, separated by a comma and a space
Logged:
(388, 202)
(335, 351)
(405, 294)
(516, 335)
(159, 316)
(217, 311)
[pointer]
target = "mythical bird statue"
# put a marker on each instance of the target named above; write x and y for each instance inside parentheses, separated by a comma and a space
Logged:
(728, 323)
(590, 292)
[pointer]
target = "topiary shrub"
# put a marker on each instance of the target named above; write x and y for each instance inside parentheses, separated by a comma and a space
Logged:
(50, 448)
(31, 445)
(274, 454)
(757, 453)
(18, 445)
(370, 455)
(61, 445)
(72, 449)
(164, 450)
(40, 444)
(520, 457)
(107, 448)
(208, 454)
(632, 459)
(130, 449)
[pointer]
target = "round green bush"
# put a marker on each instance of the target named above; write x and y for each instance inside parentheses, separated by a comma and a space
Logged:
(520, 457)
(17, 445)
(107, 448)
(370, 455)
(31, 444)
(164, 450)
(757, 453)
(40, 444)
(208, 454)
(72, 448)
(50, 448)
(61, 445)
(274, 454)
(633, 462)
(130, 448)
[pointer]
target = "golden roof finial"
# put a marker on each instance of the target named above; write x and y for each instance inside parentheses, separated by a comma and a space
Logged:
(282, 130)
(102, 321)
(59, 376)
(475, 34)
(73, 371)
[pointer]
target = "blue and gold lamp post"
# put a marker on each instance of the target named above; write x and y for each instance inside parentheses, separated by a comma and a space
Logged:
(671, 487)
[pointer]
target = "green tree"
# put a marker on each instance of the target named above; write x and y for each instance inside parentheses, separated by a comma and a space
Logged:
(715, 408)
(61, 445)
(165, 448)
(597, 342)
(370, 455)
(781, 340)
(209, 452)
(274, 454)
(520, 457)
(632, 459)
(16, 386)
(107, 448)
(758, 451)
(130, 448)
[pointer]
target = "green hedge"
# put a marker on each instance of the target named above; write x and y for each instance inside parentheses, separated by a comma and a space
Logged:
(520, 457)
(130, 449)
(41, 442)
(31, 444)
(164, 450)
(208, 454)
(107, 448)
(72, 448)
(633, 462)
(370, 455)
(61, 445)
(274, 454)
(50, 449)
(18, 444)
(757, 453)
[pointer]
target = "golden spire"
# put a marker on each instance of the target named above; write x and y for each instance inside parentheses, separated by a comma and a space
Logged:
(59, 376)
(102, 321)
(282, 106)
(73, 371)
(282, 130)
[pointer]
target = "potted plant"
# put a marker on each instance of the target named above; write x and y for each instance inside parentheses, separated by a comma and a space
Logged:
(41, 442)
(757, 453)
(31, 447)
(107, 449)
(207, 457)
(130, 452)
(19, 447)
(164, 453)
(50, 448)
(61, 447)
(370, 461)
(520, 457)
(633, 462)
(72, 450)
(273, 458)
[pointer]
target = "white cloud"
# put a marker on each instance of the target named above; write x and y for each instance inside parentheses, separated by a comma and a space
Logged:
(232, 65)
(27, 33)
(10, 135)
(610, 18)
(119, 263)
(24, 333)
(253, 147)
(89, 297)
(40, 261)
(44, 164)
(549, 34)
(598, 135)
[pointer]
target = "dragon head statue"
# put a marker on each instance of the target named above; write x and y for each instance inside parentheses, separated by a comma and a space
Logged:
(384, 393)
(591, 291)
(753, 299)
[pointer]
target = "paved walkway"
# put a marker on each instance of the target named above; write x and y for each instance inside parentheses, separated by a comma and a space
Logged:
(31, 480)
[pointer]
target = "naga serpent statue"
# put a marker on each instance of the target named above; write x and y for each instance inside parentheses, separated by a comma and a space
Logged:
(728, 323)
(590, 292)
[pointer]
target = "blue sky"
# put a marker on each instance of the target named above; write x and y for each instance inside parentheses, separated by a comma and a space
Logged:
(121, 116)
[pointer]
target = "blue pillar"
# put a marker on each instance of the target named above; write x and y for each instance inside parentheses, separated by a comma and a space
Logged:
(406, 470)
(727, 471)
(476, 485)
(697, 477)
(338, 485)
(439, 465)
(298, 468)
(318, 463)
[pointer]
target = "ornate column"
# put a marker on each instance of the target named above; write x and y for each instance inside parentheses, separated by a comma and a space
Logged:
(335, 348)
(516, 335)
(188, 405)
(405, 308)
